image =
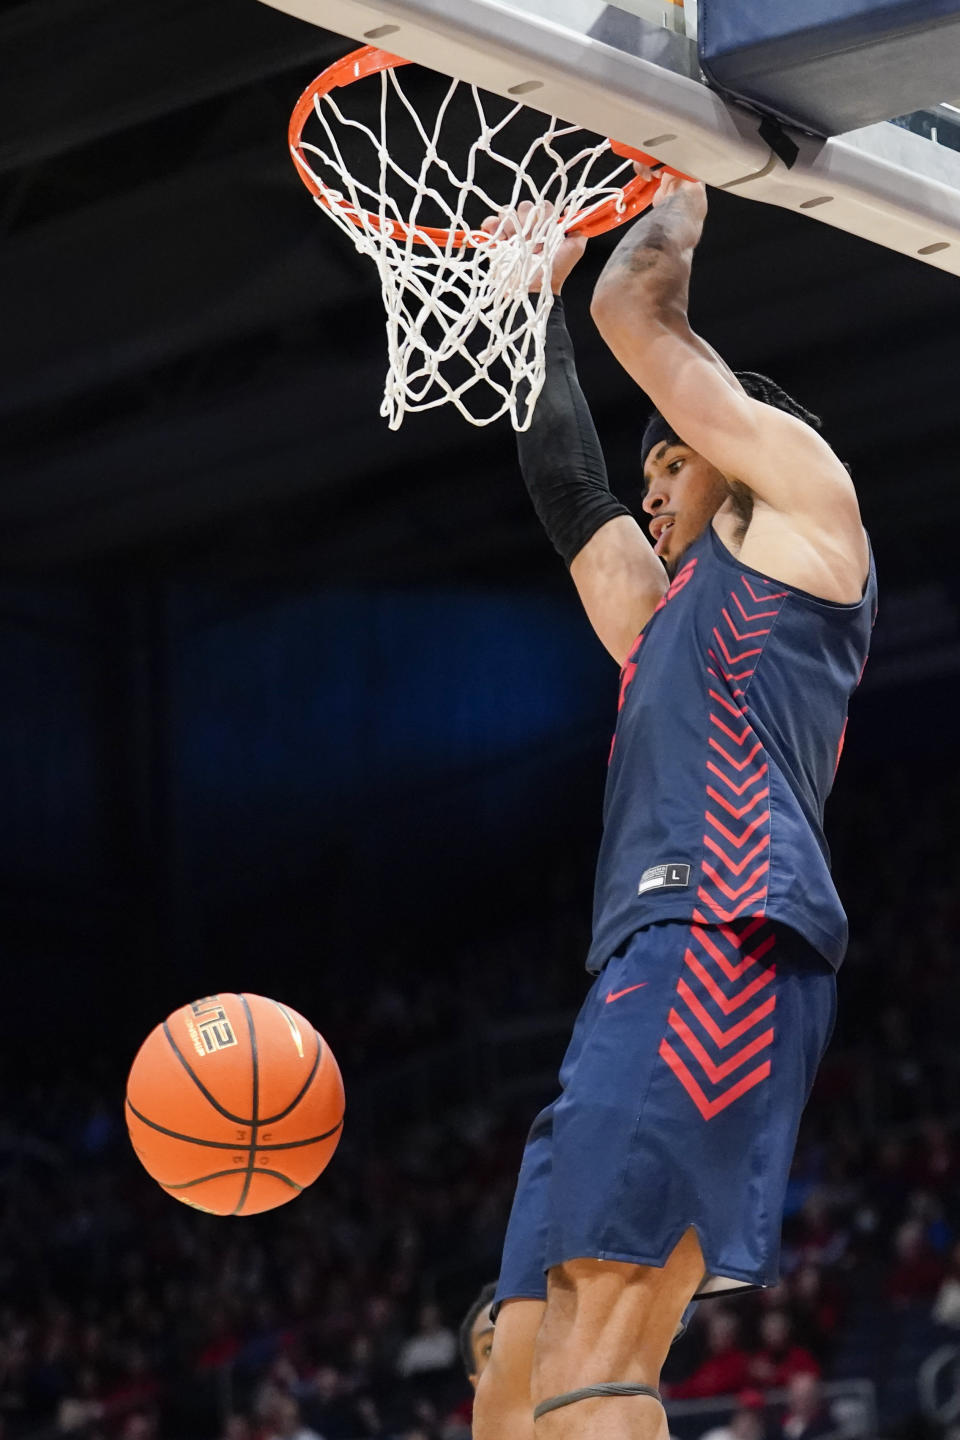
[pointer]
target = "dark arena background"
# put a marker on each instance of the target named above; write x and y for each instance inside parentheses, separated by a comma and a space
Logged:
(297, 705)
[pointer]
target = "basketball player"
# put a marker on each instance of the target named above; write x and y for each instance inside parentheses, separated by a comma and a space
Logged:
(741, 627)
(476, 1335)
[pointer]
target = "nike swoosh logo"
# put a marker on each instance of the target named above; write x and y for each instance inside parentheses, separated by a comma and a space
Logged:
(615, 994)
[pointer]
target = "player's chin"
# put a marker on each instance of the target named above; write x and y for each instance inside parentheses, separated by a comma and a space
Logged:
(672, 555)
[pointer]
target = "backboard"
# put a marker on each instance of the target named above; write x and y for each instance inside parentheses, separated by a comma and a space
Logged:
(629, 70)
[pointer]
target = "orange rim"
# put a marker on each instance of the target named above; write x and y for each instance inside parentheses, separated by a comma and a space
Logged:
(635, 196)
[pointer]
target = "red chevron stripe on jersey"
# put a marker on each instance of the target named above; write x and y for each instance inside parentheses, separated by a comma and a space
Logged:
(736, 840)
(728, 966)
(727, 969)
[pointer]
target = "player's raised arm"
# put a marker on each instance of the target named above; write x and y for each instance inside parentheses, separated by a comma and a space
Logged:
(640, 307)
(618, 578)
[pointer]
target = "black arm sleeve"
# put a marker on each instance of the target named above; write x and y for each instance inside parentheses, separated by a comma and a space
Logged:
(560, 456)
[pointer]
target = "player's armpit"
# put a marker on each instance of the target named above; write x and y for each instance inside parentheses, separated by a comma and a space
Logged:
(620, 582)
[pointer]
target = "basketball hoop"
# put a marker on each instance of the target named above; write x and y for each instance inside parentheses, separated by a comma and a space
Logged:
(465, 317)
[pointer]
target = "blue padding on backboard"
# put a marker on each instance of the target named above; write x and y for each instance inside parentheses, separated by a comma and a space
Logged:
(830, 66)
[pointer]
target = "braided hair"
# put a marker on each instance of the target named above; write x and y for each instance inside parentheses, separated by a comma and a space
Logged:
(761, 387)
(758, 387)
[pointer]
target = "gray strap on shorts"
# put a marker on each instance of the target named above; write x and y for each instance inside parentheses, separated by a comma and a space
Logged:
(591, 1392)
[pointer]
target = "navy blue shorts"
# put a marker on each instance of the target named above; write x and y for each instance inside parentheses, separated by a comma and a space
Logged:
(681, 1094)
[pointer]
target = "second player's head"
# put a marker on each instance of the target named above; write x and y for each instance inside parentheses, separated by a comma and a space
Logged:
(476, 1335)
(681, 490)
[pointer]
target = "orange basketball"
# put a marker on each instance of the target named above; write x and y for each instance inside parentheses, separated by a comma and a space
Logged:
(234, 1104)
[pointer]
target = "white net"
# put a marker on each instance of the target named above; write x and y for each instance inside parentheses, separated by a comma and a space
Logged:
(466, 314)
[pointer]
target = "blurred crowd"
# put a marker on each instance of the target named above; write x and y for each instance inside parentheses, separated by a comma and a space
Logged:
(125, 1316)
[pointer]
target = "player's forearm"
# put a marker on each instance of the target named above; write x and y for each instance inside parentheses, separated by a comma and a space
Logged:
(618, 577)
(560, 456)
(649, 271)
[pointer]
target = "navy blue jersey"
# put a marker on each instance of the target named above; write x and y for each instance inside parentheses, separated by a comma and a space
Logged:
(733, 704)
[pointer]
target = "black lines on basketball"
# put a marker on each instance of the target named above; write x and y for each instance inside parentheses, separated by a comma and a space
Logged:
(237, 1119)
(282, 1115)
(255, 1075)
(232, 1144)
(225, 1174)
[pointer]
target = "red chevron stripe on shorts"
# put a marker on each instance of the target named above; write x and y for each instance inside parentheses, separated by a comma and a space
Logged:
(709, 1108)
(722, 1020)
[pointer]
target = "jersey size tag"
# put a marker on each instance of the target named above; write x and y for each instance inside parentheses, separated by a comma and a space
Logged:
(664, 877)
